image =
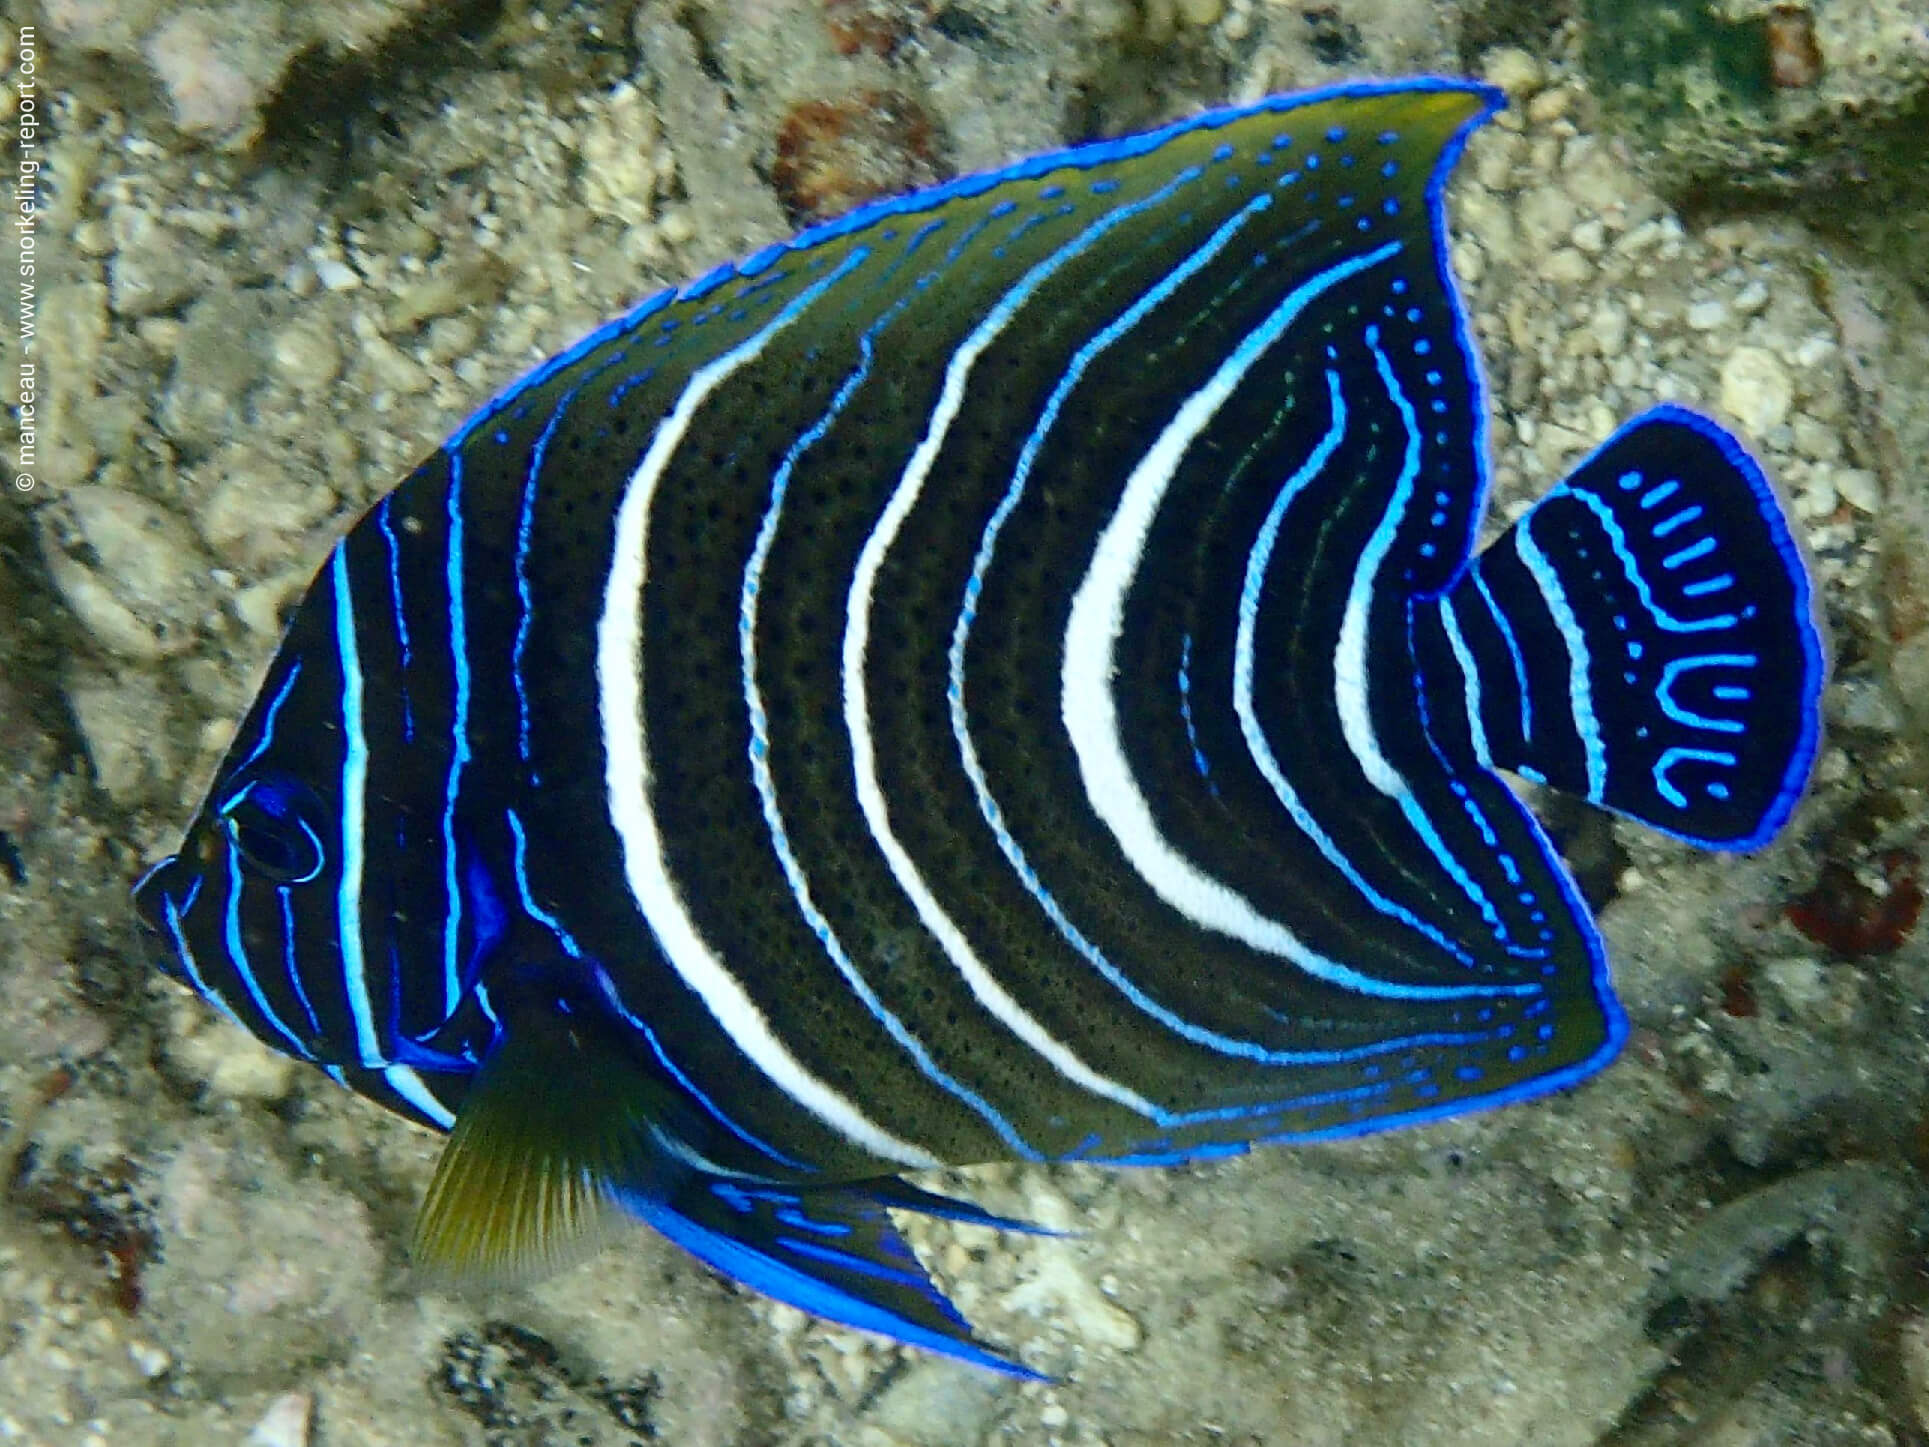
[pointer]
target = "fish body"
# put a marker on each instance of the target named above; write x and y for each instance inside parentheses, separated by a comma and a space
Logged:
(1001, 676)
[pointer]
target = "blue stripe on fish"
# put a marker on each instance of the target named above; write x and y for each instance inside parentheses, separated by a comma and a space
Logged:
(399, 613)
(458, 655)
(760, 762)
(1258, 563)
(280, 1035)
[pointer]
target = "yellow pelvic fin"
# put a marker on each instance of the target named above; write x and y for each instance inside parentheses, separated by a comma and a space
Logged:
(556, 1120)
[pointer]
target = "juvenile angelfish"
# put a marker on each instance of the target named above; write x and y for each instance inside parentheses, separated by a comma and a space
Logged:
(1000, 676)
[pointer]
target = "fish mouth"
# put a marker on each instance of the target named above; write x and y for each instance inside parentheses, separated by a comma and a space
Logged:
(148, 894)
(157, 914)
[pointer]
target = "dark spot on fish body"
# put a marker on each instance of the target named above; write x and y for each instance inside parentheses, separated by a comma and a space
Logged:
(891, 948)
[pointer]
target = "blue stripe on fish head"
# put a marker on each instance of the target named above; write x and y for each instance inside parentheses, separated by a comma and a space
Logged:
(271, 909)
(250, 891)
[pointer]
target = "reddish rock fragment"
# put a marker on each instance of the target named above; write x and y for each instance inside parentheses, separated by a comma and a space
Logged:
(831, 155)
(100, 1209)
(1855, 919)
(877, 26)
(1794, 56)
(1738, 998)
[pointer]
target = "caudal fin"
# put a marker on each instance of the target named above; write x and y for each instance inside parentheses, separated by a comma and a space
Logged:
(1644, 637)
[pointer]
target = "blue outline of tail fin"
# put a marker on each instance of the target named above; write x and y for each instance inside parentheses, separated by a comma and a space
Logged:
(1645, 637)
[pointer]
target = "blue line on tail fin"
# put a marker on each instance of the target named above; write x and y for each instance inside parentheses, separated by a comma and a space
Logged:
(1644, 637)
(829, 1250)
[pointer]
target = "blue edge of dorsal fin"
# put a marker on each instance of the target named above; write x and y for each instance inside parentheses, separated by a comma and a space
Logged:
(831, 1251)
(1086, 156)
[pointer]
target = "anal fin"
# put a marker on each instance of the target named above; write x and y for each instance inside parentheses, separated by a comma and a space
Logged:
(831, 1251)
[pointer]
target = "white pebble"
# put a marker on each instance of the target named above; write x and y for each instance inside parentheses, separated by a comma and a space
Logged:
(1818, 498)
(1549, 106)
(124, 724)
(1546, 216)
(1814, 439)
(130, 570)
(1640, 238)
(1799, 983)
(285, 1423)
(676, 227)
(232, 1065)
(336, 275)
(307, 354)
(1484, 218)
(1513, 70)
(1610, 327)
(1756, 389)
(261, 605)
(1751, 298)
(1705, 316)
(149, 1360)
(251, 1071)
(1566, 267)
(1860, 488)
(1493, 161)
(1813, 352)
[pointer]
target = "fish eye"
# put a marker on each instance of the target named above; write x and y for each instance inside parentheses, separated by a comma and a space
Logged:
(267, 819)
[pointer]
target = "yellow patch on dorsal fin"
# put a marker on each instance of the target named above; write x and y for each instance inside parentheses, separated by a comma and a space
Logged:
(555, 1122)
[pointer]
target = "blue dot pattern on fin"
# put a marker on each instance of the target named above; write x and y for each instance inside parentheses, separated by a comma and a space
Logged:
(1647, 637)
